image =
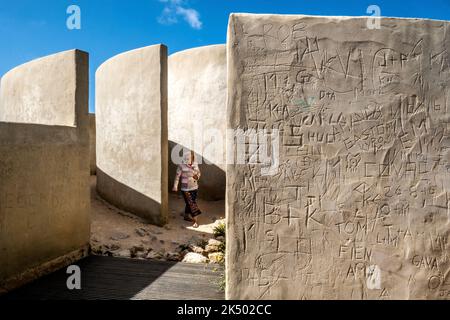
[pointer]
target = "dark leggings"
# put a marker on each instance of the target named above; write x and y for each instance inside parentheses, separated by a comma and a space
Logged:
(190, 198)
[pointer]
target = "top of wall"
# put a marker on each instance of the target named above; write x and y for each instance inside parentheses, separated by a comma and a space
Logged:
(42, 91)
(212, 48)
(126, 55)
(290, 16)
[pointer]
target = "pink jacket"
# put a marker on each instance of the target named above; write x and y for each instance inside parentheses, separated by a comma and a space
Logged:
(187, 172)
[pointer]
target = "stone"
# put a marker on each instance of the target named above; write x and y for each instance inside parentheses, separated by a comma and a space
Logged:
(131, 116)
(193, 257)
(196, 249)
(200, 89)
(154, 255)
(214, 242)
(213, 246)
(123, 254)
(210, 248)
(356, 156)
(172, 256)
(44, 171)
(117, 236)
(114, 247)
(141, 232)
(216, 257)
(137, 251)
(221, 239)
(141, 254)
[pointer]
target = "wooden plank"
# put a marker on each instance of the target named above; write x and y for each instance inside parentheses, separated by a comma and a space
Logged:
(124, 279)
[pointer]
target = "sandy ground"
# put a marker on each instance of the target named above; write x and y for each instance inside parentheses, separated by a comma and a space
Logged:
(116, 229)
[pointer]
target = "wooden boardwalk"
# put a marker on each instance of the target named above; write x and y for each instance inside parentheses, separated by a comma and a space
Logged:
(105, 278)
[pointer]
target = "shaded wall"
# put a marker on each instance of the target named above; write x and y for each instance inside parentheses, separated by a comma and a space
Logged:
(131, 118)
(92, 144)
(44, 175)
(356, 203)
(197, 113)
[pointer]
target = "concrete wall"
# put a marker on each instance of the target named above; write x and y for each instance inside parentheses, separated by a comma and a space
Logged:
(357, 205)
(197, 113)
(92, 144)
(44, 175)
(132, 145)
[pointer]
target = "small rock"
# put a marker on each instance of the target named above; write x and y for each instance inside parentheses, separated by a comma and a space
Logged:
(96, 250)
(114, 247)
(154, 255)
(213, 246)
(193, 257)
(154, 238)
(141, 232)
(136, 250)
(119, 236)
(210, 249)
(216, 257)
(161, 241)
(172, 256)
(141, 254)
(196, 249)
(214, 242)
(123, 254)
(220, 238)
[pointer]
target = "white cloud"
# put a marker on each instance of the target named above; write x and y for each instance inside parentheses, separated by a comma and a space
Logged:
(178, 8)
(191, 16)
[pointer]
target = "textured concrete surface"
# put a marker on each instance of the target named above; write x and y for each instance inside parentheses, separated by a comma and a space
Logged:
(197, 113)
(44, 175)
(30, 102)
(92, 144)
(358, 207)
(132, 145)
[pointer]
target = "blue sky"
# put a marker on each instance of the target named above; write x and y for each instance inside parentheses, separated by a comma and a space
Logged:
(33, 28)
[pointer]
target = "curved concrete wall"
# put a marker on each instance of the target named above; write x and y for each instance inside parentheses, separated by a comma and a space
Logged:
(197, 112)
(131, 117)
(44, 175)
(27, 98)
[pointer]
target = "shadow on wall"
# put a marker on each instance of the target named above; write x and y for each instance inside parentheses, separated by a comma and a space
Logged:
(128, 199)
(212, 183)
(49, 205)
(44, 175)
(92, 139)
